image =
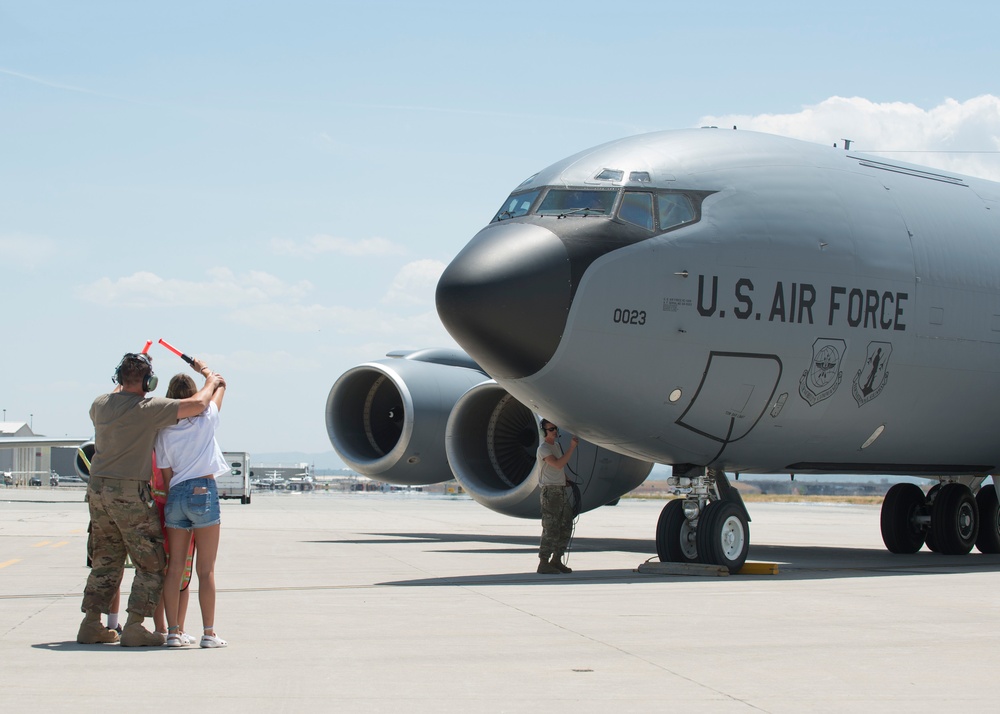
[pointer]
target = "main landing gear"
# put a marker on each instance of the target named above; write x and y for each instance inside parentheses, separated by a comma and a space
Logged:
(949, 519)
(709, 525)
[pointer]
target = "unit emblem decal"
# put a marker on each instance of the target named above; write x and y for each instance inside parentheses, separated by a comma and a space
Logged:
(872, 377)
(821, 380)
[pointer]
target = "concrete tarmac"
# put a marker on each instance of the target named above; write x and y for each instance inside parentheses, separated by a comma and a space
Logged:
(416, 603)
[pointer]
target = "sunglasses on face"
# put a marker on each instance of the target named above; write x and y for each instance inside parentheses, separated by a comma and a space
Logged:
(550, 429)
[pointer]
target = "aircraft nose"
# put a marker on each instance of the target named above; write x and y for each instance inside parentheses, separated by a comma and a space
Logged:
(506, 296)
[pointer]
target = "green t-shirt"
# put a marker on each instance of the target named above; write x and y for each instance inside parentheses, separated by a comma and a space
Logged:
(125, 427)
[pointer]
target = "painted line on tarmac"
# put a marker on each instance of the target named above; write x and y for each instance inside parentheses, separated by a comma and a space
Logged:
(9, 562)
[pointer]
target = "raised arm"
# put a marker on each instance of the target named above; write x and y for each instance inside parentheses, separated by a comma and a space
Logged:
(219, 394)
(196, 404)
(559, 463)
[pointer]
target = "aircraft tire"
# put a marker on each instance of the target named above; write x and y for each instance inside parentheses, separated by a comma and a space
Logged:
(723, 536)
(703, 537)
(988, 540)
(673, 535)
(955, 519)
(900, 533)
(929, 538)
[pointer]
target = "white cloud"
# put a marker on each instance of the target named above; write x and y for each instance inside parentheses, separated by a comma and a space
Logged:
(223, 289)
(265, 303)
(266, 362)
(321, 244)
(293, 317)
(25, 252)
(954, 136)
(337, 319)
(414, 284)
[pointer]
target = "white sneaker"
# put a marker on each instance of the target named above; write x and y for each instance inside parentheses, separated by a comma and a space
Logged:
(212, 641)
(188, 639)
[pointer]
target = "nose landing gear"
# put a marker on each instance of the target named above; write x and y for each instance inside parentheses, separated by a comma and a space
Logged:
(709, 525)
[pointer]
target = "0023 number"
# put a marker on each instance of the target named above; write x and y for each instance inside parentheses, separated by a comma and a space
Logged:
(626, 316)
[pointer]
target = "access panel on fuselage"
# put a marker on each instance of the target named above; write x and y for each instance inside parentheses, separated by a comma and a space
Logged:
(733, 395)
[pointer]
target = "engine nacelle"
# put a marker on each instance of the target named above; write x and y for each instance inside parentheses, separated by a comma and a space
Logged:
(84, 455)
(386, 419)
(491, 444)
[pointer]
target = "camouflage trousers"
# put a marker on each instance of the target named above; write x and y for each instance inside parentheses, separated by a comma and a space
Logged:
(557, 521)
(124, 520)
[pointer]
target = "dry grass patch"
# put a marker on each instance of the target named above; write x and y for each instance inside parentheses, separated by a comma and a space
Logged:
(778, 498)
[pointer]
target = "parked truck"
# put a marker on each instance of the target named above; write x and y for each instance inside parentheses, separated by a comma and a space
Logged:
(236, 484)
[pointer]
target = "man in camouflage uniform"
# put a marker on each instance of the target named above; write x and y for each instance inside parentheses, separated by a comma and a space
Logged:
(557, 504)
(124, 519)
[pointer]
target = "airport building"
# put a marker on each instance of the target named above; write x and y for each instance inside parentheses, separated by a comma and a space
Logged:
(24, 465)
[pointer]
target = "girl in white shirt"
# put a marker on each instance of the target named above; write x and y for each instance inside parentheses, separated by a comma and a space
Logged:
(190, 459)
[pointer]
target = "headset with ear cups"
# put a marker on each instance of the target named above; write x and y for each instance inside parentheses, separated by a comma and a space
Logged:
(149, 380)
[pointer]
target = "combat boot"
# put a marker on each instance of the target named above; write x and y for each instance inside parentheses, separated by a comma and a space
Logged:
(135, 635)
(546, 568)
(92, 632)
(556, 563)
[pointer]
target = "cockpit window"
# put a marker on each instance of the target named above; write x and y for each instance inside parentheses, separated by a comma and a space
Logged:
(637, 208)
(673, 209)
(610, 175)
(639, 176)
(651, 209)
(518, 204)
(577, 202)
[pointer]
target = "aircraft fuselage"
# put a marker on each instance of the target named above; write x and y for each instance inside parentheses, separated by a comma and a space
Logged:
(814, 310)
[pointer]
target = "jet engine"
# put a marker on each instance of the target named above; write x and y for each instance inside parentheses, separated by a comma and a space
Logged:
(386, 419)
(84, 454)
(491, 442)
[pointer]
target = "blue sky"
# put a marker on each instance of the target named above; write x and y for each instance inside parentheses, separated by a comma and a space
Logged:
(275, 187)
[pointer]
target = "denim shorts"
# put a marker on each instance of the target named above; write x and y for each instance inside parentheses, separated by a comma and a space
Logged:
(186, 509)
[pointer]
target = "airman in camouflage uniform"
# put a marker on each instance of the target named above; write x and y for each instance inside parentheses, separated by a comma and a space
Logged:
(556, 501)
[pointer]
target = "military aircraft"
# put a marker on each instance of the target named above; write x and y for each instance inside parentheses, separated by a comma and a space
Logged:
(719, 301)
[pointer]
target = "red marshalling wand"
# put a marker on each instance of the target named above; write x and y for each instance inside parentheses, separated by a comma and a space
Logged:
(176, 351)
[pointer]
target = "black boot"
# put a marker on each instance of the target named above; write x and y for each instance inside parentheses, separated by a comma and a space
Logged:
(546, 568)
(556, 563)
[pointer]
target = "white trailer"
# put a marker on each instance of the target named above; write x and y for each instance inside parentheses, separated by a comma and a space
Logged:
(235, 484)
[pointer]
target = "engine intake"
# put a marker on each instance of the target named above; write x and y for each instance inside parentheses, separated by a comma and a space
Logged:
(386, 419)
(491, 443)
(84, 455)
